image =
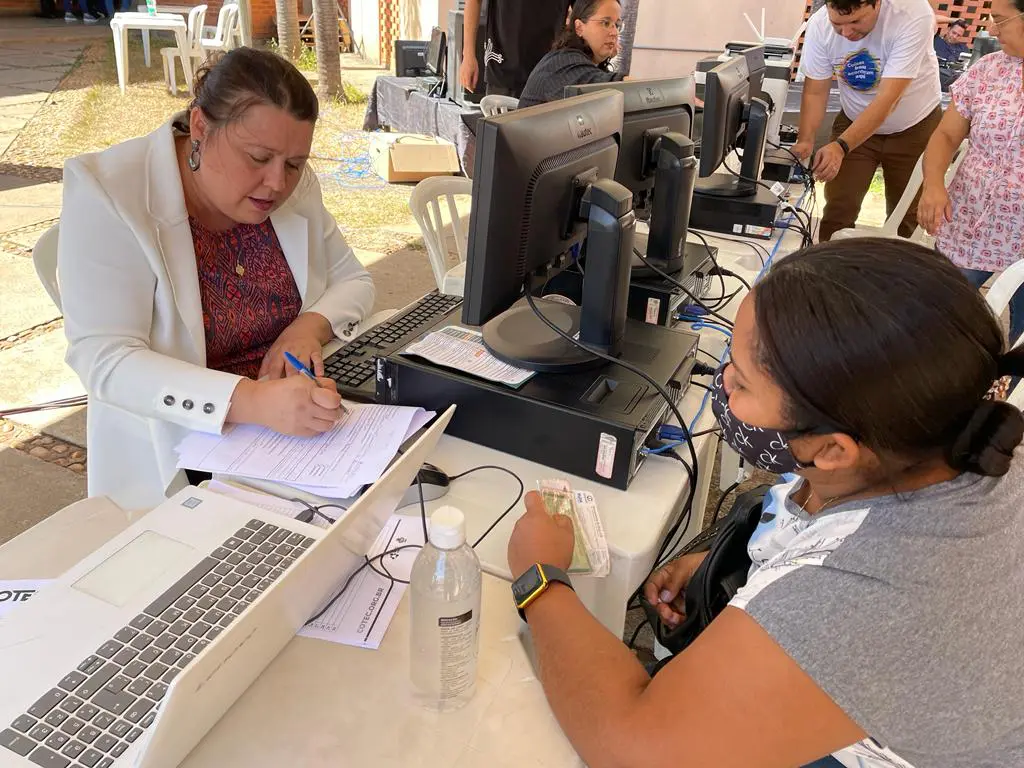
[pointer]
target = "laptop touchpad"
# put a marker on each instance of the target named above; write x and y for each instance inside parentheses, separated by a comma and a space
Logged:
(136, 567)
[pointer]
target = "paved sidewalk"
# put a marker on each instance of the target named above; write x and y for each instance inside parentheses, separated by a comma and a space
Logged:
(42, 456)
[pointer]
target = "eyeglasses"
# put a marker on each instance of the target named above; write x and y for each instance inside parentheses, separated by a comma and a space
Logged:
(607, 23)
(998, 24)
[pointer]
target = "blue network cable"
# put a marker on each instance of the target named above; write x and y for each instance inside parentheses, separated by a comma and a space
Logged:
(700, 323)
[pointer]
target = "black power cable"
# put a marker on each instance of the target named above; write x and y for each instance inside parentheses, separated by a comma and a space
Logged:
(680, 286)
(369, 561)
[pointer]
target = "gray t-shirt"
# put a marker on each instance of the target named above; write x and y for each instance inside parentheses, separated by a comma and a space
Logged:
(908, 612)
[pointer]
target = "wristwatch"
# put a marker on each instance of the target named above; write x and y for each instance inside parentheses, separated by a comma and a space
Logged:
(843, 146)
(534, 582)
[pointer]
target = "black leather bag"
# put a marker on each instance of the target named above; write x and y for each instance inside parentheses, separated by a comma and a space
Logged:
(719, 577)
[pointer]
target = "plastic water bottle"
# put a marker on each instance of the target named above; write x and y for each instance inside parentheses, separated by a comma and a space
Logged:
(151, 7)
(445, 604)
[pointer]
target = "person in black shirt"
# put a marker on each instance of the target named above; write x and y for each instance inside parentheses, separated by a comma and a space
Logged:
(519, 33)
(581, 53)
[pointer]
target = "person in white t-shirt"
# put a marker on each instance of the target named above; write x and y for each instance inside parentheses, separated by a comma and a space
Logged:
(881, 54)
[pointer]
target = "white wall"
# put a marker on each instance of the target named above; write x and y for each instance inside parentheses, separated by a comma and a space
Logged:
(365, 24)
(671, 35)
(420, 16)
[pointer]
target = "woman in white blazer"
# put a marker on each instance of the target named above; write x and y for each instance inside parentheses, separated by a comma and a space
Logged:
(189, 261)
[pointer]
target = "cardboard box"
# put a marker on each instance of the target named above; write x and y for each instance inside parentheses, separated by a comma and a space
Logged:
(412, 157)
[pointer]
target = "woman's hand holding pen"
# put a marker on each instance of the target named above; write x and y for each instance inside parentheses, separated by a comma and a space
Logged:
(296, 405)
(304, 338)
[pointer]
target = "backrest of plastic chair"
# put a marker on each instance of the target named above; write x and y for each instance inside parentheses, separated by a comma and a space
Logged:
(920, 235)
(44, 258)
(196, 20)
(223, 19)
(425, 204)
(498, 105)
(892, 224)
(230, 35)
(998, 298)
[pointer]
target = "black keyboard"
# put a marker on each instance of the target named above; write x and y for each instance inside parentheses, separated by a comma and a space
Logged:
(96, 711)
(353, 366)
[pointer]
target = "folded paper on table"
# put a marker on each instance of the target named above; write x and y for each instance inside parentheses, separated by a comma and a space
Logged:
(362, 614)
(463, 350)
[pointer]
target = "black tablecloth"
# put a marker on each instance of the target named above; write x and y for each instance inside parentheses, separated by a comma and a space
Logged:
(400, 104)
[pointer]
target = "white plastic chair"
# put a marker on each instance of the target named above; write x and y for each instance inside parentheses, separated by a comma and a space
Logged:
(44, 258)
(498, 105)
(999, 295)
(892, 224)
(226, 35)
(425, 204)
(196, 19)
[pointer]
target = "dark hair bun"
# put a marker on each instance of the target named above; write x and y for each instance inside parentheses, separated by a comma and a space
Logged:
(986, 444)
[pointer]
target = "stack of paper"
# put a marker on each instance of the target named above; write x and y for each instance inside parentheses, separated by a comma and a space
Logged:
(336, 464)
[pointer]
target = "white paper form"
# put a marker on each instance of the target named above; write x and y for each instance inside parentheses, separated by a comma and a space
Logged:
(363, 613)
(14, 593)
(336, 464)
(463, 350)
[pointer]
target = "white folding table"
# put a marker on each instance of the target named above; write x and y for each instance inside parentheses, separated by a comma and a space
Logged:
(168, 22)
(176, 10)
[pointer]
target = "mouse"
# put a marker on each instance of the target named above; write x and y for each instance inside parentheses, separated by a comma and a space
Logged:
(435, 485)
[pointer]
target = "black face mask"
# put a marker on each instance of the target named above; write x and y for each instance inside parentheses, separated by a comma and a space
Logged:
(766, 449)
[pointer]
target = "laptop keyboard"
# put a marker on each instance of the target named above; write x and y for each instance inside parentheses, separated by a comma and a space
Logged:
(98, 709)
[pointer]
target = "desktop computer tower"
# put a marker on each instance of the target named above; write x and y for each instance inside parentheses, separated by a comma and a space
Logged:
(593, 423)
(455, 28)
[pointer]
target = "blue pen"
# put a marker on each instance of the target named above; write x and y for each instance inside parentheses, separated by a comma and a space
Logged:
(301, 368)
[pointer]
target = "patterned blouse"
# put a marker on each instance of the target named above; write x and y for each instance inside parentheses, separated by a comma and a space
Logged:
(247, 291)
(988, 190)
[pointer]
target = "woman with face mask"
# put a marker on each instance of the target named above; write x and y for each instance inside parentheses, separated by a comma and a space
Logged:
(581, 54)
(190, 261)
(880, 621)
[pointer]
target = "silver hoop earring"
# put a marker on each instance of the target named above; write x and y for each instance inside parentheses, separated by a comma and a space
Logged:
(193, 158)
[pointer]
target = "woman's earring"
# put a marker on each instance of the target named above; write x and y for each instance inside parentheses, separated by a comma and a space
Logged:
(193, 158)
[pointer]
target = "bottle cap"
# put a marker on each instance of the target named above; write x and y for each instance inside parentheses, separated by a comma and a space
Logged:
(448, 528)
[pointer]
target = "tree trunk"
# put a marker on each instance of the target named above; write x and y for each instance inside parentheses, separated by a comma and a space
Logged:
(622, 62)
(288, 28)
(328, 57)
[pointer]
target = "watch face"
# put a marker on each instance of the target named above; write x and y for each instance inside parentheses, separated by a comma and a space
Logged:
(526, 584)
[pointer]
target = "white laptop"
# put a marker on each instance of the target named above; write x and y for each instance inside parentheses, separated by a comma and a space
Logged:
(138, 650)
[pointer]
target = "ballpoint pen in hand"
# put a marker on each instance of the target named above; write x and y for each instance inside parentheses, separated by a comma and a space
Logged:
(299, 366)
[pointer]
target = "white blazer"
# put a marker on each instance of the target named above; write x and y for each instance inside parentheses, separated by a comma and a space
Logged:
(132, 311)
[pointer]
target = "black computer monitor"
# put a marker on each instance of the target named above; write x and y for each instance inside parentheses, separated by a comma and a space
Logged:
(656, 158)
(436, 52)
(732, 118)
(754, 54)
(411, 58)
(542, 184)
(982, 46)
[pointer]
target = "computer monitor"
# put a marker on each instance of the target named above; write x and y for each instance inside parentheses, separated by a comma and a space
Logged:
(436, 52)
(542, 184)
(982, 46)
(732, 118)
(411, 58)
(755, 56)
(656, 159)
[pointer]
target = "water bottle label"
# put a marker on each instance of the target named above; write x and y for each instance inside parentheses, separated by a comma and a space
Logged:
(458, 651)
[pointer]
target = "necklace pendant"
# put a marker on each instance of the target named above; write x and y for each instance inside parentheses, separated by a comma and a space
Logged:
(239, 270)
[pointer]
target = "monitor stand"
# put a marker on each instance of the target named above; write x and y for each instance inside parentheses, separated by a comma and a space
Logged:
(694, 255)
(521, 338)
